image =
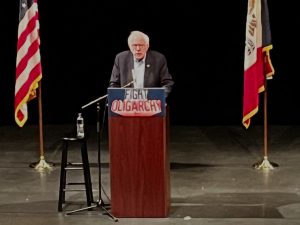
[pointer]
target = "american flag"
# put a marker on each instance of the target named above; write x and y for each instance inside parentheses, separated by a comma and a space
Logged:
(28, 66)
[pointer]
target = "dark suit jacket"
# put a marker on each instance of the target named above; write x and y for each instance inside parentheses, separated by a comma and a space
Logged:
(156, 71)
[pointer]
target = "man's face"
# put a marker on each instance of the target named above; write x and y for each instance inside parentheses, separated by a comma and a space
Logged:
(138, 47)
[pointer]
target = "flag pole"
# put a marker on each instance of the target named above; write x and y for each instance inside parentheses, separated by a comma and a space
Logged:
(265, 164)
(42, 165)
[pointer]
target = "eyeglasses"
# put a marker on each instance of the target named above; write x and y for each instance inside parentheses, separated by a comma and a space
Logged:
(135, 46)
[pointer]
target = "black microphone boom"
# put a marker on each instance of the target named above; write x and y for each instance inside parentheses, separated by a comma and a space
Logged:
(102, 97)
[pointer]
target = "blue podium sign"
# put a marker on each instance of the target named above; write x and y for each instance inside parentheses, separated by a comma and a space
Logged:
(136, 102)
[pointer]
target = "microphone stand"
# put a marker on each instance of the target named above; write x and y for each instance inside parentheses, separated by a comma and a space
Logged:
(99, 203)
(104, 96)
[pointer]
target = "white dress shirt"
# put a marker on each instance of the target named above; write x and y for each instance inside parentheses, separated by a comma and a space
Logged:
(138, 73)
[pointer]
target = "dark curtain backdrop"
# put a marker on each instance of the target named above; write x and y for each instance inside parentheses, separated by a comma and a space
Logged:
(203, 43)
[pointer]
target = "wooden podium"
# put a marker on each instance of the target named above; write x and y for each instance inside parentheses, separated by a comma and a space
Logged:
(139, 164)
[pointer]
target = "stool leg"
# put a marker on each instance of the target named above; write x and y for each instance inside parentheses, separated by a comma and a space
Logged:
(62, 185)
(87, 173)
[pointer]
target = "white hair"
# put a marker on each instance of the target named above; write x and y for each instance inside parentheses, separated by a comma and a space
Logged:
(136, 33)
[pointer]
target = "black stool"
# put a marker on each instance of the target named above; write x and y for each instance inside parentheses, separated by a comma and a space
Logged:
(68, 166)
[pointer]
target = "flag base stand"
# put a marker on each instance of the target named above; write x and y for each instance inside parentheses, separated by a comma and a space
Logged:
(265, 164)
(42, 165)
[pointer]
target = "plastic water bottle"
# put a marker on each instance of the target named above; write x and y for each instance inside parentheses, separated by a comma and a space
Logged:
(80, 126)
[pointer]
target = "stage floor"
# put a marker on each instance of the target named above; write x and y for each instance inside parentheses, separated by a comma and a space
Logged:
(213, 180)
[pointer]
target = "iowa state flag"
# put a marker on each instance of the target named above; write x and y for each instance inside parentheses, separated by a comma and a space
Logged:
(28, 66)
(257, 64)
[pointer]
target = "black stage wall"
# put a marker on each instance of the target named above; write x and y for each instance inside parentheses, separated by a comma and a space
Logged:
(203, 42)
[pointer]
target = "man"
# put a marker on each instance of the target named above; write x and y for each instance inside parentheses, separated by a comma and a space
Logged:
(141, 66)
